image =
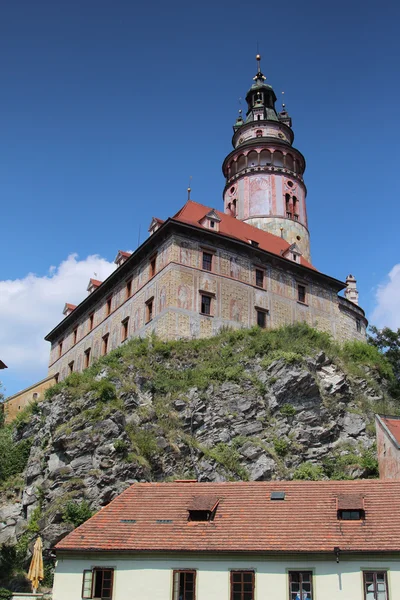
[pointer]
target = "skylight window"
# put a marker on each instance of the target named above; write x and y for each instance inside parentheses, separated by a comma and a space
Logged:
(277, 496)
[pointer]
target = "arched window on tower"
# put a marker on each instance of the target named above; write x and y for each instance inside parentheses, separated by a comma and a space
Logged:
(289, 162)
(295, 209)
(252, 159)
(278, 159)
(241, 163)
(259, 133)
(288, 206)
(233, 209)
(265, 158)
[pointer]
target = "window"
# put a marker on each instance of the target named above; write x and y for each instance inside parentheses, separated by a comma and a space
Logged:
(261, 318)
(57, 377)
(98, 583)
(60, 345)
(351, 515)
(212, 224)
(153, 266)
(91, 321)
(75, 335)
(205, 304)
(125, 329)
(301, 293)
(375, 585)
(86, 360)
(149, 310)
(242, 585)
(71, 367)
(358, 324)
(288, 215)
(300, 585)
(259, 278)
(108, 306)
(104, 344)
(296, 217)
(184, 585)
(129, 288)
(35, 396)
(254, 243)
(207, 261)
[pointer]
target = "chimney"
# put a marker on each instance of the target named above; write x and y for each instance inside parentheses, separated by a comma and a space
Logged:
(351, 292)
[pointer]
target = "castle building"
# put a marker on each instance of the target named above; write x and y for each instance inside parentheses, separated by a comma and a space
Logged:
(203, 268)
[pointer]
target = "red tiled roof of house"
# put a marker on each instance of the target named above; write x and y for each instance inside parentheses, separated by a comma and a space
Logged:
(393, 424)
(154, 517)
(192, 213)
(69, 306)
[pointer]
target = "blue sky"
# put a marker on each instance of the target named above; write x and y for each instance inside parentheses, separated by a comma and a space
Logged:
(107, 108)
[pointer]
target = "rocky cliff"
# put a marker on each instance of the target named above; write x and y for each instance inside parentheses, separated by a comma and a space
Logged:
(244, 405)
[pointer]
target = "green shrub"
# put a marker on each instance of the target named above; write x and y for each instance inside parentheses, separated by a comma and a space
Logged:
(104, 389)
(121, 446)
(13, 456)
(77, 513)
(281, 447)
(228, 457)
(5, 594)
(363, 354)
(309, 471)
(288, 410)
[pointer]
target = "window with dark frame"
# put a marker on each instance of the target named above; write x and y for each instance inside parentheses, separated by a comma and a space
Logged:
(87, 358)
(104, 344)
(301, 293)
(153, 266)
(98, 583)
(184, 585)
(261, 318)
(108, 305)
(351, 515)
(259, 278)
(358, 324)
(375, 585)
(91, 321)
(125, 329)
(242, 585)
(300, 585)
(60, 348)
(207, 261)
(205, 304)
(56, 377)
(75, 335)
(71, 367)
(128, 288)
(149, 311)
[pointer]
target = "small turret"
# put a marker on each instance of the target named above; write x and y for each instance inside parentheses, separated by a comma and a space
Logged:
(351, 292)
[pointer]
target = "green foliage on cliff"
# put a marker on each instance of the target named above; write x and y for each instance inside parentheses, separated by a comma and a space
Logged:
(13, 456)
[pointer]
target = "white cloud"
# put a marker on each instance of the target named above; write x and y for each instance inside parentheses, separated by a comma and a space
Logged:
(32, 306)
(387, 310)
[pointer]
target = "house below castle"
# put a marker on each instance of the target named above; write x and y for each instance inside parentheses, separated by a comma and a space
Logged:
(204, 269)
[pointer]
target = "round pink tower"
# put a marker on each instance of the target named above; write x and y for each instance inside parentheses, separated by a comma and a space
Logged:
(264, 173)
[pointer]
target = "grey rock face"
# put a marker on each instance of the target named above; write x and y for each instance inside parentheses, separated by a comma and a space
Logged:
(298, 412)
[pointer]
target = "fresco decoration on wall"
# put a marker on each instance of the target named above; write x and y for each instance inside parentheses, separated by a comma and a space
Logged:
(185, 253)
(207, 284)
(260, 195)
(235, 267)
(184, 297)
(163, 298)
(235, 310)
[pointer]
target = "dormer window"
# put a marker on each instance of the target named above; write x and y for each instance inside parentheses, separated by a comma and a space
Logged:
(350, 508)
(254, 243)
(212, 224)
(203, 508)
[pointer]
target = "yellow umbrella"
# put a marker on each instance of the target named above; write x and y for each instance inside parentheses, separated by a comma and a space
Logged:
(35, 573)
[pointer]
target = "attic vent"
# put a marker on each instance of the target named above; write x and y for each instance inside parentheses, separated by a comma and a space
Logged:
(277, 496)
(163, 521)
(128, 521)
(203, 508)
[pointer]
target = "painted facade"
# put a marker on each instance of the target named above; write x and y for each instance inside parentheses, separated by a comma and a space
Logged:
(175, 291)
(150, 577)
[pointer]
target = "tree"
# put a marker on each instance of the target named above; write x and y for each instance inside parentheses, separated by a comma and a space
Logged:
(388, 342)
(2, 398)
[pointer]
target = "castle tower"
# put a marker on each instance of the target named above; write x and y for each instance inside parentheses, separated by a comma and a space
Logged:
(351, 292)
(264, 173)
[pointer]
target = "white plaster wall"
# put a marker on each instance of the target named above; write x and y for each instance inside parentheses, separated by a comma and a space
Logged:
(146, 578)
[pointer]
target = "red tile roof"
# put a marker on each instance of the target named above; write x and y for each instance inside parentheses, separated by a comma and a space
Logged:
(154, 517)
(123, 253)
(69, 306)
(95, 282)
(192, 213)
(393, 425)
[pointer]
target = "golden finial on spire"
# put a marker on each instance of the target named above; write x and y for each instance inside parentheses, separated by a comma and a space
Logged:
(258, 59)
(189, 188)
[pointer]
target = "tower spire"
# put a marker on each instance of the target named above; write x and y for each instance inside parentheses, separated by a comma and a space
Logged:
(259, 75)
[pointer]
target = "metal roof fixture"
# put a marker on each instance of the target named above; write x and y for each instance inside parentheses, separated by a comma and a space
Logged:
(277, 496)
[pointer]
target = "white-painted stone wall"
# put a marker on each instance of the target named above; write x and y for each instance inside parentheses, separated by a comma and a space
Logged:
(144, 577)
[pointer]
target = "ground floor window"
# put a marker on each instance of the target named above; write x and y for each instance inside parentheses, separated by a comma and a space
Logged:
(98, 583)
(242, 585)
(300, 585)
(205, 305)
(184, 585)
(375, 585)
(261, 318)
